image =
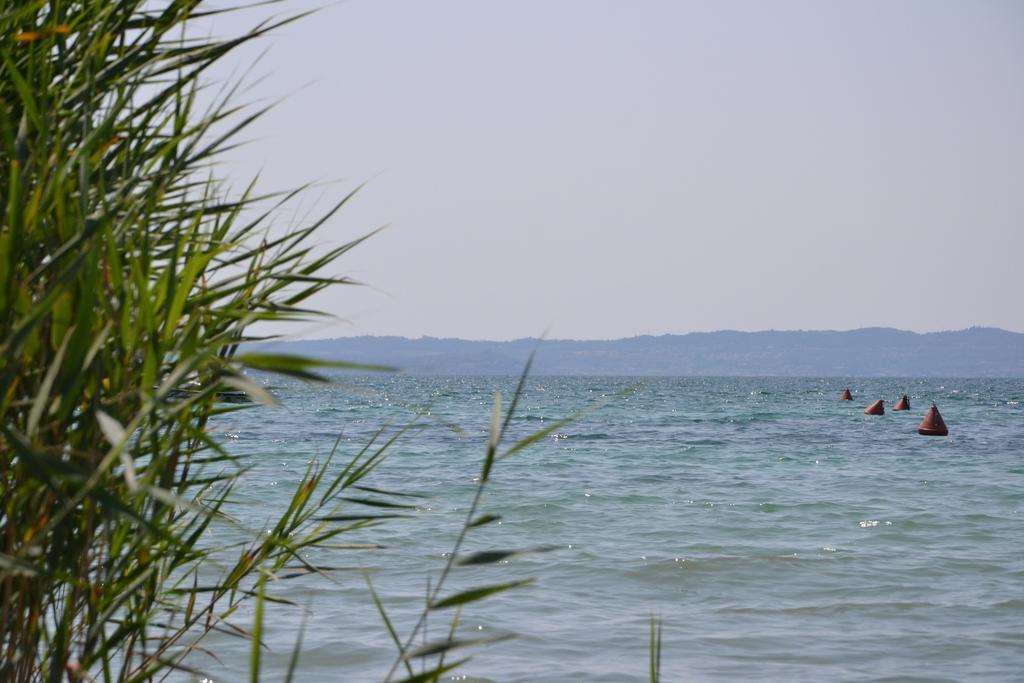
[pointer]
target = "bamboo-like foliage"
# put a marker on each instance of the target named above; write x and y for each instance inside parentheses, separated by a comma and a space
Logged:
(128, 280)
(432, 654)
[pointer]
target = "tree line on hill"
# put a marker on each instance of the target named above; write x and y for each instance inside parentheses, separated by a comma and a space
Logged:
(866, 352)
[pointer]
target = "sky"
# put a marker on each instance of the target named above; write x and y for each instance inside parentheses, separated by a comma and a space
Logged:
(596, 169)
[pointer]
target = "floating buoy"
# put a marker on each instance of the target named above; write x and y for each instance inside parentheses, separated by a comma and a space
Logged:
(902, 404)
(932, 424)
(876, 408)
(846, 395)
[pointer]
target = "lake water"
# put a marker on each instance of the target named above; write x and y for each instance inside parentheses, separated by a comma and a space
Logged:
(779, 533)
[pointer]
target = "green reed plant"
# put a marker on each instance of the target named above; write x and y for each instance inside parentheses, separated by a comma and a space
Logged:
(431, 655)
(128, 281)
(654, 650)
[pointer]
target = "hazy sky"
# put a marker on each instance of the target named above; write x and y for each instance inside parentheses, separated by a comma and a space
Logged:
(606, 169)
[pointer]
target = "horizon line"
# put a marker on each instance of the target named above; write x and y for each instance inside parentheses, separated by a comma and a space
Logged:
(651, 335)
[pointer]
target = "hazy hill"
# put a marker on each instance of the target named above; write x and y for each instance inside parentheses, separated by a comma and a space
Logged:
(975, 352)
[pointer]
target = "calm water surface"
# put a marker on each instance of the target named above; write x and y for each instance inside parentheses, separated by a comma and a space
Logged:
(780, 534)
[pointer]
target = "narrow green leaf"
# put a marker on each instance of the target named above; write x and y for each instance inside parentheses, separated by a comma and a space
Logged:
(293, 661)
(377, 503)
(251, 389)
(495, 430)
(655, 650)
(484, 519)
(493, 556)
(520, 387)
(43, 395)
(300, 366)
(442, 646)
(493, 439)
(28, 100)
(537, 436)
(434, 674)
(16, 566)
(383, 492)
(474, 594)
(257, 632)
(356, 518)
(387, 621)
(111, 428)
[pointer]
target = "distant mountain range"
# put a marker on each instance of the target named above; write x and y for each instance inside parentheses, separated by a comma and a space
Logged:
(867, 352)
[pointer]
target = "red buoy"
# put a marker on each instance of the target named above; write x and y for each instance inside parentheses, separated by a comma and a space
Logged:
(876, 408)
(932, 424)
(902, 404)
(846, 395)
